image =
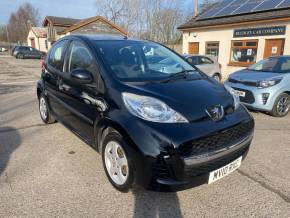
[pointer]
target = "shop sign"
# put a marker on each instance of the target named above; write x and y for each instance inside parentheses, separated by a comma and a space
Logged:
(265, 31)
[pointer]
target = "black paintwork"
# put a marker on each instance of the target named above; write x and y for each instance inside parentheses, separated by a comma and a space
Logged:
(27, 52)
(77, 106)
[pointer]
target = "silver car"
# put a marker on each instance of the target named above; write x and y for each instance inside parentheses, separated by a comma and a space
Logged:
(206, 64)
(264, 86)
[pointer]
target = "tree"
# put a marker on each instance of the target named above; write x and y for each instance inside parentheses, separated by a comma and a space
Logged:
(150, 19)
(207, 4)
(20, 22)
(3, 34)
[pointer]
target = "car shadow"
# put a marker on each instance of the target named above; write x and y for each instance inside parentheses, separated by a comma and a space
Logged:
(10, 140)
(156, 204)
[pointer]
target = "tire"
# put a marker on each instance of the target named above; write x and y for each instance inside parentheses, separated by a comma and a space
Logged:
(20, 56)
(217, 77)
(117, 165)
(281, 106)
(44, 110)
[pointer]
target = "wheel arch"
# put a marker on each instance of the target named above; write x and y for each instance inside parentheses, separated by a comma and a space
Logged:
(105, 126)
(218, 74)
(39, 88)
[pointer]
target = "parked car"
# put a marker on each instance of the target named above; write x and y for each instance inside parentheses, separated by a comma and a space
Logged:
(206, 64)
(160, 130)
(23, 52)
(12, 49)
(265, 85)
(2, 49)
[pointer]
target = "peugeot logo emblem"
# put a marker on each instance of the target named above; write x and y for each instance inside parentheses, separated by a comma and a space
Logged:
(216, 113)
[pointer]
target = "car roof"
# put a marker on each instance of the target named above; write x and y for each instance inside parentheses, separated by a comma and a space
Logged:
(194, 55)
(100, 37)
(23, 46)
(280, 56)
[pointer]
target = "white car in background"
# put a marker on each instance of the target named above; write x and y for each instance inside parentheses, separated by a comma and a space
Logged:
(207, 64)
(2, 49)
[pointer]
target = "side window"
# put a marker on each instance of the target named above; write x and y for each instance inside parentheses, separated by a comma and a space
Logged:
(205, 60)
(56, 54)
(79, 57)
(193, 60)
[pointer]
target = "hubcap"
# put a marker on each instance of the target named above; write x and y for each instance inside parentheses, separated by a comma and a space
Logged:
(283, 106)
(116, 163)
(43, 108)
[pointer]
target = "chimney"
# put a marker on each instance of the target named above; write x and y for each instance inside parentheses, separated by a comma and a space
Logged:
(195, 8)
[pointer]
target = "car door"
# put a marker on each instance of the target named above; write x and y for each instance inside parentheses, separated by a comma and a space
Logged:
(29, 52)
(53, 69)
(205, 65)
(24, 51)
(80, 100)
(35, 53)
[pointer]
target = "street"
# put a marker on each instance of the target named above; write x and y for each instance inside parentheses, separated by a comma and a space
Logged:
(46, 171)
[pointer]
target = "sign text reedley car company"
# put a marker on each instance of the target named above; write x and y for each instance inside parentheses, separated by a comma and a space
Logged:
(264, 31)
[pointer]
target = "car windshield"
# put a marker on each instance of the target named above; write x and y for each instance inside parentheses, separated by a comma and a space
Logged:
(142, 61)
(273, 64)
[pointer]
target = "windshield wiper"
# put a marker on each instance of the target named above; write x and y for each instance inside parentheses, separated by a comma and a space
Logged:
(181, 74)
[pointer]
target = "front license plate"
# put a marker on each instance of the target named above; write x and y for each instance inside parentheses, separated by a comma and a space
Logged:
(240, 93)
(224, 171)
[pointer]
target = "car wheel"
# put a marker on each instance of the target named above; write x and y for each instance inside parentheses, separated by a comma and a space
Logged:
(44, 110)
(217, 77)
(20, 56)
(116, 162)
(281, 106)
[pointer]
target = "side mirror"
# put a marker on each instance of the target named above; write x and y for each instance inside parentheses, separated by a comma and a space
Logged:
(81, 76)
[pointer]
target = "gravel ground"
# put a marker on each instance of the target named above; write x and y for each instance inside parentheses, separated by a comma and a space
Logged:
(46, 171)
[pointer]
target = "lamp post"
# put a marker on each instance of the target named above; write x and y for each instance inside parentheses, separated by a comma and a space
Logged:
(8, 39)
(195, 8)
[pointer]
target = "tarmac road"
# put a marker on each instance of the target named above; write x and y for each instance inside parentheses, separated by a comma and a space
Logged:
(46, 171)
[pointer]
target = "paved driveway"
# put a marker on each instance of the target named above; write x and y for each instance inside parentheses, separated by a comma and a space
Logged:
(47, 171)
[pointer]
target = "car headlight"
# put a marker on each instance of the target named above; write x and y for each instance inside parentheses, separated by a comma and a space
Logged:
(151, 109)
(235, 96)
(268, 83)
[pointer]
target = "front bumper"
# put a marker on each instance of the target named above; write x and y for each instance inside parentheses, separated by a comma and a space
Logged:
(161, 164)
(255, 97)
(197, 168)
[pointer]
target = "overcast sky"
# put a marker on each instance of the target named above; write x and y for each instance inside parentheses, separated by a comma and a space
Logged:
(64, 8)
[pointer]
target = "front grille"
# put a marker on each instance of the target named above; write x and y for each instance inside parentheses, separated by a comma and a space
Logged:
(249, 97)
(216, 164)
(247, 83)
(217, 140)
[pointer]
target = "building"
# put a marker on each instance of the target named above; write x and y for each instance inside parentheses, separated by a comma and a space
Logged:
(37, 38)
(239, 33)
(55, 28)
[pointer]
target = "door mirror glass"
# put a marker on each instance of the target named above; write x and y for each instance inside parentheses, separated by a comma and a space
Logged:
(81, 76)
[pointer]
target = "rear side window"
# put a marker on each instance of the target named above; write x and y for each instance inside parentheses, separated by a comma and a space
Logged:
(79, 57)
(205, 60)
(56, 54)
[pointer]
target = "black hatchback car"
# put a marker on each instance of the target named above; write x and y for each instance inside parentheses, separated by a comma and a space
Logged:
(156, 125)
(22, 52)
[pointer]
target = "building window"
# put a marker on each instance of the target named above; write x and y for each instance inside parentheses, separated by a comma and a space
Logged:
(244, 53)
(212, 48)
